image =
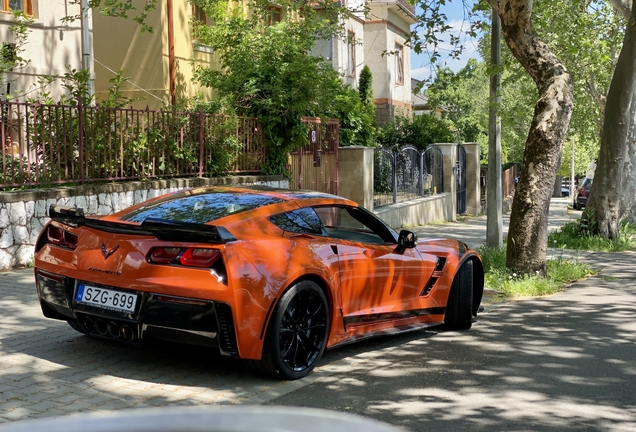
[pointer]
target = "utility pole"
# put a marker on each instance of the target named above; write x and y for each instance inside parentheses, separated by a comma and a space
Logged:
(494, 224)
(87, 46)
(572, 167)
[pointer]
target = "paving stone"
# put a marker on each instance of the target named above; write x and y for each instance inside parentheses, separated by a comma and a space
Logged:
(47, 369)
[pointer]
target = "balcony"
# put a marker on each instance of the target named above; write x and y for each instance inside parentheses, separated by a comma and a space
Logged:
(404, 4)
(401, 7)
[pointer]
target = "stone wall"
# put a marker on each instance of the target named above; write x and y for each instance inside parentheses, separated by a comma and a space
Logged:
(419, 211)
(24, 213)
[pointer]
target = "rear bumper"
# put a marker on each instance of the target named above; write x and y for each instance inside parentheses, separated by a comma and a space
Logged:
(160, 316)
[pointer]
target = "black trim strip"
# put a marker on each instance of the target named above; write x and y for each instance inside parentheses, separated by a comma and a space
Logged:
(269, 311)
(374, 318)
(392, 331)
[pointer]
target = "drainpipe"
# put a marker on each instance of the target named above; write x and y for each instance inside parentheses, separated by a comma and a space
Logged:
(171, 61)
(86, 45)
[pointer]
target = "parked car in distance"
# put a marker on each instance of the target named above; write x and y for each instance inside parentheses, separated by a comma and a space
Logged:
(581, 193)
(270, 276)
(565, 192)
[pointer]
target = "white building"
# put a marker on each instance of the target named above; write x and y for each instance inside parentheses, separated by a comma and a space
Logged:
(377, 40)
(51, 46)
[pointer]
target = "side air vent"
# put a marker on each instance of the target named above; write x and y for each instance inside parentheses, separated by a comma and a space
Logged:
(441, 262)
(437, 273)
(429, 286)
(227, 334)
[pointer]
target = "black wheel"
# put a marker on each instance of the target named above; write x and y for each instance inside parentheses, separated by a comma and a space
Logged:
(297, 332)
(459, 309)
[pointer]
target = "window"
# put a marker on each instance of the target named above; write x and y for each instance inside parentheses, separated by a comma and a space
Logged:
(303, 221)
(354, 224)
(23, 5)
(351, 54)
(274, 14)
(199, 15)
(399, 64)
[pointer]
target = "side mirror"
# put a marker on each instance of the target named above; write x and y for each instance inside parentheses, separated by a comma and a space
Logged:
(406, 240)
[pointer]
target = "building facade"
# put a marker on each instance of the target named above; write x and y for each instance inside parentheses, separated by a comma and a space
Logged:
(386, 32)
(160, 64)
(51, 45)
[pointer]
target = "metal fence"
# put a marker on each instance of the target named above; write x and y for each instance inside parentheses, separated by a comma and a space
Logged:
(508, 177)
(406, 174)
(61, 144)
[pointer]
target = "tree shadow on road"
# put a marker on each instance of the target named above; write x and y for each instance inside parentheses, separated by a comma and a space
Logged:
(560, 363)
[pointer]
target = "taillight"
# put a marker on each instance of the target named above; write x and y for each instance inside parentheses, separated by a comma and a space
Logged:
(70, 240)
(189, 257)
(163, 255)
(62, 238)
(582, 192)
(55, 235)
(199, 257)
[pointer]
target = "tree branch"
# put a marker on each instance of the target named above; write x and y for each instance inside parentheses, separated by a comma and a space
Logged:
(623, 7)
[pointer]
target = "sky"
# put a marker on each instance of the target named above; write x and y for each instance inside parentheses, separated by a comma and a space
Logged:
(455, 14)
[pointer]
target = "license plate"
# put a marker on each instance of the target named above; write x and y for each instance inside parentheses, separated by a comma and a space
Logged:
(106, 298)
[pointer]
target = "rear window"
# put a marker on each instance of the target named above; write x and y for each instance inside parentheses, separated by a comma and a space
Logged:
(200, 208)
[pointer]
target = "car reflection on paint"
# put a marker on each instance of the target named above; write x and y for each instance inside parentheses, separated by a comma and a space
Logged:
(272, 277)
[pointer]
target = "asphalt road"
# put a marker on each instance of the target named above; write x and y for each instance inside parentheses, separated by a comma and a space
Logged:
(559, 363)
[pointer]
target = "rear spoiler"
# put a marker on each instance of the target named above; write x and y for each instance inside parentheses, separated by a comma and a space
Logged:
(160, 228)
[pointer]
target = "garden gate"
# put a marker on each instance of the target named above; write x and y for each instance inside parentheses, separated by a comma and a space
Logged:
(461, 179)
(315, 165)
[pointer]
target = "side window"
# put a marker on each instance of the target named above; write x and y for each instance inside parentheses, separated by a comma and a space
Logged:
(399, 64)
(351, 54)
(302, 221)
(350, 224)
(339, 217)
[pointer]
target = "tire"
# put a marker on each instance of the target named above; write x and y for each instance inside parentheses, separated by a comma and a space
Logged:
(297, 333)
(459, 308)
(75, 326)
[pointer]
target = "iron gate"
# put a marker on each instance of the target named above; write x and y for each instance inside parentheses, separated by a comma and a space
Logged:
(461, 179)
(406, 173)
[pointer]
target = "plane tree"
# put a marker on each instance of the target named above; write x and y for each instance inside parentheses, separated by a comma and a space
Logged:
(527, 235)
(612, 193)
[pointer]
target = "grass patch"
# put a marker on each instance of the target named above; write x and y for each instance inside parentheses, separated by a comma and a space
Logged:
(573, 236)
(560, 274)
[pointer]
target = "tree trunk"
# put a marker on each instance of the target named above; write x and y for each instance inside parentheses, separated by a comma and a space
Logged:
(603, 206)
(628, 189)
(528, 231)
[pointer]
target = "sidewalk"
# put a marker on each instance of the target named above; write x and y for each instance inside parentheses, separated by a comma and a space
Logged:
(473, 230)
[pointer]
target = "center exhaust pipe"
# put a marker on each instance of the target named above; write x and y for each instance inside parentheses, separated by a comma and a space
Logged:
(100, 327)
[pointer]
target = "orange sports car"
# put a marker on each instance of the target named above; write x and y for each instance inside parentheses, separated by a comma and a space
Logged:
(270, 276)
